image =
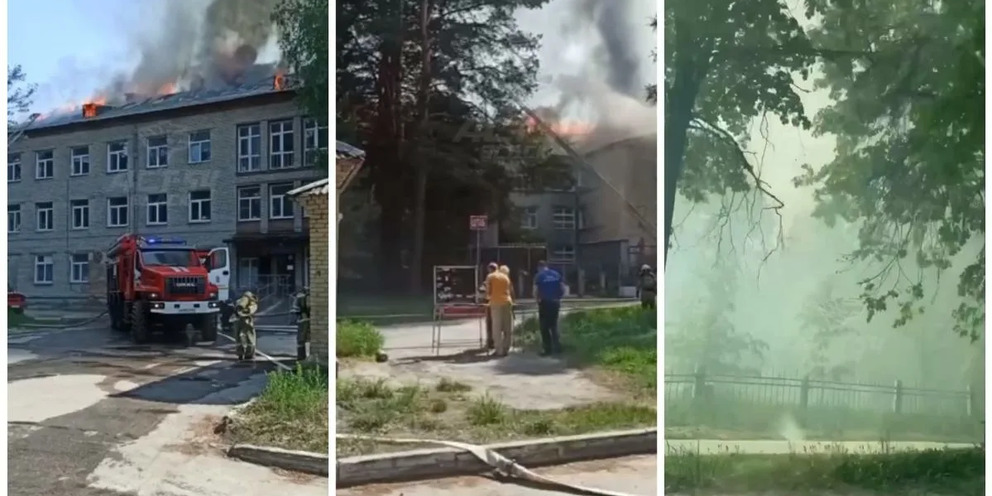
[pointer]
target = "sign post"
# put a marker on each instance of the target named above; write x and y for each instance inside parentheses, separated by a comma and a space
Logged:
(478, 224)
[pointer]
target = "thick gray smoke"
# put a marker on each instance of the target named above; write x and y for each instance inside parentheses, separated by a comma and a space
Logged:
(619, 57)
(199, 45)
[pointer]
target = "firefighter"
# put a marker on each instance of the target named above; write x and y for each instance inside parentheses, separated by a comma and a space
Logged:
(301, 307)
(647, 287)
(245, 309)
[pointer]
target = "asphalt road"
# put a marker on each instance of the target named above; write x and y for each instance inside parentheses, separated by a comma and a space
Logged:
(91, 414)
(636, 476)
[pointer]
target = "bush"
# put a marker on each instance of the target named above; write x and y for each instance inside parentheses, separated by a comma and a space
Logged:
(358, 340)
(290, 413)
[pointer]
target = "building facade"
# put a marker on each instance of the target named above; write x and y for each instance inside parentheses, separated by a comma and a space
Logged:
(600, 231)
(214, 169)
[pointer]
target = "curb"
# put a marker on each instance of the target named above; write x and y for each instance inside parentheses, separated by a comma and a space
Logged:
(298, 461)
(436, 463)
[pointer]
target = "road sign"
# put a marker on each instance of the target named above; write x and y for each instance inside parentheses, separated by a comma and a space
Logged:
(478, 222)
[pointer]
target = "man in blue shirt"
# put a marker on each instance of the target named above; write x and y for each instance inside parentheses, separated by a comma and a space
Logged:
(549, 287)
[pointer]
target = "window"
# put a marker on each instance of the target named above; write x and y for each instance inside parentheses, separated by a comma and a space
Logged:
(199, 206)
(158, 152)
(563, 253)
(117, 211)
(79, 268)
(563, 218)
(80, 161)
(314, 141)
(529, 218)
(199, 147)
(45, 216)
(44, 269)
(13, 167)
(80, 214)
(117, 156)
(158, 209)
(44, 167)
(249, 148)
(250, 203)
(13, 218)
(280, 204)
(281, 144)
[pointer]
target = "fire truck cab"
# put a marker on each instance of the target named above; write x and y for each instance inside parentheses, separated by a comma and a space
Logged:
(158, 284)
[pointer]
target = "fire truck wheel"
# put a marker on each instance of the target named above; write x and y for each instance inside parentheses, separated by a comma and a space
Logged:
(208, 328)
(139, 323)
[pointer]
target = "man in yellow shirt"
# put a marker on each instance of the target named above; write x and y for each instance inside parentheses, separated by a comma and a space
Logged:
(500, 308)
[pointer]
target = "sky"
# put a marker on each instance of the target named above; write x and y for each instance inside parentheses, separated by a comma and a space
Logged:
(78, 48)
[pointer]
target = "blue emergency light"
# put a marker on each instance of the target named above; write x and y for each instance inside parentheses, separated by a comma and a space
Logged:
(157, 240)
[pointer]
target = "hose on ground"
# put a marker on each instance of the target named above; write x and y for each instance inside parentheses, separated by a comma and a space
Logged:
(500, 463)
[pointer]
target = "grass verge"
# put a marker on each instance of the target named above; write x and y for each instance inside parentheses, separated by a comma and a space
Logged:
(621, 341)
(951, 471)
(17, 319)
(357, 339)
(290, 413)
(449, 411)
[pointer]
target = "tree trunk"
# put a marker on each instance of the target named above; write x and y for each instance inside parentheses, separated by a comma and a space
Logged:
(420, 159)
(679, 106)
(384, 158)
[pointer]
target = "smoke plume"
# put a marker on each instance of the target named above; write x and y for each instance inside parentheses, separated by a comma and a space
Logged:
(199, 46)
(618, 57)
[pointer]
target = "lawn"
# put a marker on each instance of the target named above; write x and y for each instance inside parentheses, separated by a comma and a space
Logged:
(291, 412)
(452, 411)
(620, 341)
(616, 345)
(958, 471)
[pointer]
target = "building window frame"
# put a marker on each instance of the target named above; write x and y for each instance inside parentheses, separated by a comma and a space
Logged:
(530, 220)
(44, 266)
(44, 164)
(117, 157)
(563, 218)
(79, 268)
(200, 147)
(13, 167)
(281, 132)
(79, 212)
(157, 155)
(200, 207)
(250, 201)
(13, 218)
(563, 254)
(120, 209)
(313, 135)
(157, 203)
(44, 216)
(281, 199)
(79, 159)
(249, 147)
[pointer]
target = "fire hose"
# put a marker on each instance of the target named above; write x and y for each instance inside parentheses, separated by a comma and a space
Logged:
(500, 463)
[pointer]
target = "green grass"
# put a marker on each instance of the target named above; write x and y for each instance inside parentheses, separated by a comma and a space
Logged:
(290, 413)
(620, 340)
(449, 411)
(358, 340)
(958, 471)
(730, 418)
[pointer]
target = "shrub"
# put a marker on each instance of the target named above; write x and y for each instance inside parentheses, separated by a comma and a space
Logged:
(358, 340)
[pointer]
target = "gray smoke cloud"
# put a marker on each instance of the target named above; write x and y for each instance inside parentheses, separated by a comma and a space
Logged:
(619, 56)
(197, 45)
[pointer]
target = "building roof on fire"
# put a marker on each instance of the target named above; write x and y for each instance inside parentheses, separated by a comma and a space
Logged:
(258, 81)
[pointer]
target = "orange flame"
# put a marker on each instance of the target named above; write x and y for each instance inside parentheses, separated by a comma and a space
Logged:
(279, 81)
(563, 129)
(167, 89)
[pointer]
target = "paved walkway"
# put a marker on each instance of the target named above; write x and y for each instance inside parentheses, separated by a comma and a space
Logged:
(637, 476)
(521, 380)
(90, 414)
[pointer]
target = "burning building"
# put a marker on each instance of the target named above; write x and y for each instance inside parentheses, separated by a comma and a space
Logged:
(211, 160)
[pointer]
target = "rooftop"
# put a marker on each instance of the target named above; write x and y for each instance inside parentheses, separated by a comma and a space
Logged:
(260, 80)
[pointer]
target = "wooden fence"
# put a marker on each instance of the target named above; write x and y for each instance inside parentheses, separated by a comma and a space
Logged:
(806, 393)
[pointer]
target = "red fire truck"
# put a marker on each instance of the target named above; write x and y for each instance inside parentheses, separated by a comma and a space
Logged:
(157, 284)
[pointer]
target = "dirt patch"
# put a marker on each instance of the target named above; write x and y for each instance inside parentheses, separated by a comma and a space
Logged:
(202, 438)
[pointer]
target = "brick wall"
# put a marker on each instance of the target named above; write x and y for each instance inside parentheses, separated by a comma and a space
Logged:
(317, 207)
